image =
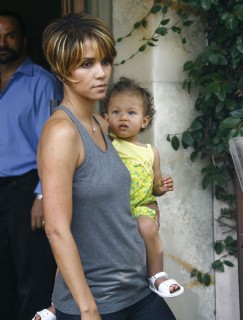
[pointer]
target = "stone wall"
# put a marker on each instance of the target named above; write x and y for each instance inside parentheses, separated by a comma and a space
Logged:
(187, 213)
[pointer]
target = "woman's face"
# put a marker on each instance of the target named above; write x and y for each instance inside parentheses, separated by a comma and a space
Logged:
(93, 75)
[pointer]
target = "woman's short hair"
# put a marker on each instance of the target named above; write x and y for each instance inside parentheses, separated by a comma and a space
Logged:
(63, 42)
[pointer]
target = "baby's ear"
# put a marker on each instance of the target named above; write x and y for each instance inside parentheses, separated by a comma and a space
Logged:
(105, 116)
(146, 120)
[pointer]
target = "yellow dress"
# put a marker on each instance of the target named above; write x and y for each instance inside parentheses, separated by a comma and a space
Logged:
(139, 161)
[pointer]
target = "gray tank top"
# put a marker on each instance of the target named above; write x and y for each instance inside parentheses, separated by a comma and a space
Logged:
(110, 246)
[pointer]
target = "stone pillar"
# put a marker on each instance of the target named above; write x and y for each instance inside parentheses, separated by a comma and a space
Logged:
(187, 212)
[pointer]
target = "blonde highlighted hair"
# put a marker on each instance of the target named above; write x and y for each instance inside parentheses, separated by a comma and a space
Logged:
(63, 43)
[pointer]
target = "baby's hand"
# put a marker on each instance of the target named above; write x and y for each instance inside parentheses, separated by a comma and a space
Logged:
(168, 183)
(161, 186)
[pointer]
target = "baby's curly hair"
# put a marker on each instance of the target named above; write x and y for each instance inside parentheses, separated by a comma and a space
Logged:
(125, 84)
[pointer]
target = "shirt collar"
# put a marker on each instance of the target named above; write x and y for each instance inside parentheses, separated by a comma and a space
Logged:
(26, 67)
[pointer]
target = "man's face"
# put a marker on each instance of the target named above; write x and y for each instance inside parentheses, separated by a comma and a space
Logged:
(12, 42)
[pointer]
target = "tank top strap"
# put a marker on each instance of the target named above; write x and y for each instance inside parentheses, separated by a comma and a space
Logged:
(80, 127)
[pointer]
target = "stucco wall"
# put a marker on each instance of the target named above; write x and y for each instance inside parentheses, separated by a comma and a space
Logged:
(187, 219)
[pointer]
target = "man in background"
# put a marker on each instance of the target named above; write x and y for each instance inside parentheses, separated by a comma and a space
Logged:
(27, 267)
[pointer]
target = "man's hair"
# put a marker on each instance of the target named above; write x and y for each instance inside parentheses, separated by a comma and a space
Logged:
(63, 42)
(18, 18)
(128, 85)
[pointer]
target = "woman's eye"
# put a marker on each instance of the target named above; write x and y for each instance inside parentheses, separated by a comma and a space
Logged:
(86, 64)
(106, 62)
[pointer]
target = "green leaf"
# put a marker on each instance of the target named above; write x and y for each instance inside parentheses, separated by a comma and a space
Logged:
(164, 9)
(187, 138)
(231, 104)
(193, 273)
(207, 280)
(187, 23)
(165, 22)
(222, 61)
(175, 143)
(218, 265)
(156, 9)
(217, 59)
(142, 48)
(240, 82)
(230, 122)
(219, 247)
(238, 11)
(240, 47)
(237, 113)
(228, 240)
(176, 29)
(151, 44)
(196, 125)
(233, 133)
(197, 135)
(232, 23)
(188, 65)
(205, 4)
(228, 263)
(200, 277)
(137, 25)
(207, 180)
(220, 92)
(193, 155)
(144, 23)
(161, 31)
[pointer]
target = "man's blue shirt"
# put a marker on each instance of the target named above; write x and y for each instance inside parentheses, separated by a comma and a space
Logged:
(24, 108)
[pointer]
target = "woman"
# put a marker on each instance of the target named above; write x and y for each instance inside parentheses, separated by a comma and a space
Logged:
(99, 252)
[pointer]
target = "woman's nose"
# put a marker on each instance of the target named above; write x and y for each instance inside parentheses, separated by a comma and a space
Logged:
(100, 71)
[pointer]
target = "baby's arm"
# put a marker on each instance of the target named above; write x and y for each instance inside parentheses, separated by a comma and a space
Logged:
(161, 184)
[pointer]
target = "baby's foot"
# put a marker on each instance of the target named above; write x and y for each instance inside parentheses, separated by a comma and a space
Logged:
(164, 287)
(173, 287)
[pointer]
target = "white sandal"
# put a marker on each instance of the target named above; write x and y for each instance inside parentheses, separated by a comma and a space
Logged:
(164, 288)
(46, 315)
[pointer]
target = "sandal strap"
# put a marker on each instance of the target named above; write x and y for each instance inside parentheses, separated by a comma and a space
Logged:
(46, 314)
(159, 275)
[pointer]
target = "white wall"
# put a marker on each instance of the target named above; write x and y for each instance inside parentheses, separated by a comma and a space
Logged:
(186, 213)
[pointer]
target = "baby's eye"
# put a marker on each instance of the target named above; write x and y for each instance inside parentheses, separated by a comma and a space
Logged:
(131, 113)
(115, 112)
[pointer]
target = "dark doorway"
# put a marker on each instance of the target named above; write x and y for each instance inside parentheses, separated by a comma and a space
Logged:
(36, 14)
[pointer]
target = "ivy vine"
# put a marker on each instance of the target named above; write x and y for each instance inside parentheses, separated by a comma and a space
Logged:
(162, 29)
(217, 72)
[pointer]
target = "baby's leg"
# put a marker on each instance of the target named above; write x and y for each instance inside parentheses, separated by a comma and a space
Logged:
(154, 249)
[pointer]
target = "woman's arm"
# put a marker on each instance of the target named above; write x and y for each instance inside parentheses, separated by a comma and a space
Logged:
(58, 157)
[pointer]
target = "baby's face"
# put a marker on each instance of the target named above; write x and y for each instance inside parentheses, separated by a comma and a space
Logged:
(126, 115)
